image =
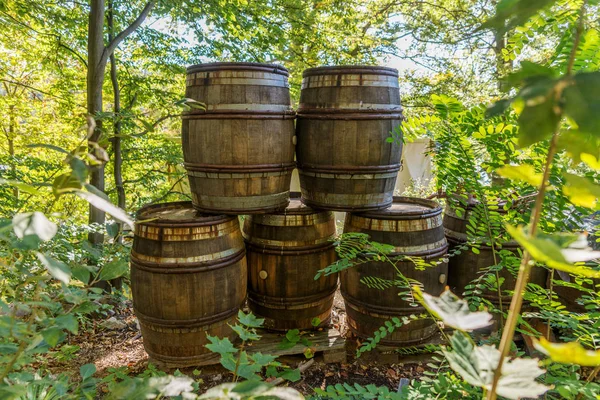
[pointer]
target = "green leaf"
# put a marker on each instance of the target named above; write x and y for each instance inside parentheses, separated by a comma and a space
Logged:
(114, 269)
(582, 103)
(23, 187)
(263, 359)
(476, 366)
(68, 322)
(112, 229)
(316, 321)
(539, 118)
(244, 333)
(47, 146)
(524, 173)
(513, 13)
(65, 183)
(220, 346)
(34, 223)
(79, 168)
(292, 375)
(105, 206)
(453, 311)
(498, 108)
(293, 335)
(53, 336)
(581, 191)
(547, 249)
(87, 370)
(58, 269)
(250, 320)
(529, 73)
(446, 106)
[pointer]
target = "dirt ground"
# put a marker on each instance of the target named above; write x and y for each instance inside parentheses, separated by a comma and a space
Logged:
(118, 343)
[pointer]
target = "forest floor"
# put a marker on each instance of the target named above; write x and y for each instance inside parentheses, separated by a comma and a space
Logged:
(115, 345)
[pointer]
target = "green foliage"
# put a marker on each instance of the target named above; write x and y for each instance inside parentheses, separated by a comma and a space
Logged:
(356, 391)
(474, 364)
(389, 327)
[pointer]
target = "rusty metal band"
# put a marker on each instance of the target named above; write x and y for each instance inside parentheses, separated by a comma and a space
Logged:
(351, 176)
(286, 250)
(247, 107)
(238, 66)
(347, 169)
(360, 204)
(394, 225)
(187, 265)
(175, 233)
(183, 361)
(309, 108)
(237, 114)
(244, 78)
(217, 168)
(350, 69)
(250, 202)
(426, 251)
(293, 219)
(347, 115)
(376, 310)
(186, 323)
(350, 80)
(291, 302)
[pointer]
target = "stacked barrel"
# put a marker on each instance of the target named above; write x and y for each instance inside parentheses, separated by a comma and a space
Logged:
(193, 265)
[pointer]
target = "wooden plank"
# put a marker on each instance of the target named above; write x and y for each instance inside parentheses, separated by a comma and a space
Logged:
(322, 341)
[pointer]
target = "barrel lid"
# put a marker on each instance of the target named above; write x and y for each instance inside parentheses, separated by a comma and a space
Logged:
(350, 69)
(406, 208)
(242, 66)
(181, 212)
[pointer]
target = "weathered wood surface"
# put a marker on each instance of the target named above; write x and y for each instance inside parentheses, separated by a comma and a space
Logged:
(188, 278)
(285, 251)
(239, 153)
(344, 118)
(328, 344)
(414, 227)
(467, 266)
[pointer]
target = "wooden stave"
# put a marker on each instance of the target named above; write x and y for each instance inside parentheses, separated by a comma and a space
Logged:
(261, 180)
(336, 179)
(363, 316)
(172, 335)
(272, 250)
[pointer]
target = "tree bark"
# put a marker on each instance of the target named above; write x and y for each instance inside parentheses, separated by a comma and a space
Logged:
(95, 80)
(12, 130)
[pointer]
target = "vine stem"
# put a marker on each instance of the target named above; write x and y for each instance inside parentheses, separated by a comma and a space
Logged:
(526, 263)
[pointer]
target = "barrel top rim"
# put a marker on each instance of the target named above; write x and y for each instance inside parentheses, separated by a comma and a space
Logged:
(157, 214)
(297, 207)
(349, 69)
(244, 66)
(424, 209)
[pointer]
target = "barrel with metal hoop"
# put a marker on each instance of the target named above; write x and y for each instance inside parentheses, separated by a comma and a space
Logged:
(285, 251)
(188, 279)
(345, 117)
(414, 227)
(466, 266)
(239, 152)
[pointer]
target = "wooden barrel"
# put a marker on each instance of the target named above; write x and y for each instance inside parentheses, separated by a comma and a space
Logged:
(285, 251)
(188, 279)
(345, 116)
(465, 267)
(239, 153)
(414, 227)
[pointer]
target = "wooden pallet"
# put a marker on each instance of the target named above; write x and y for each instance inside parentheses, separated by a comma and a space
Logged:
(328, 344)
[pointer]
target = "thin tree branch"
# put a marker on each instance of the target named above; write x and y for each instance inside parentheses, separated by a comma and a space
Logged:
(108, 50)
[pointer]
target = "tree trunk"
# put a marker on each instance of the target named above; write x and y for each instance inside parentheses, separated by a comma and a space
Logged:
(12, 130)
(95, 80)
